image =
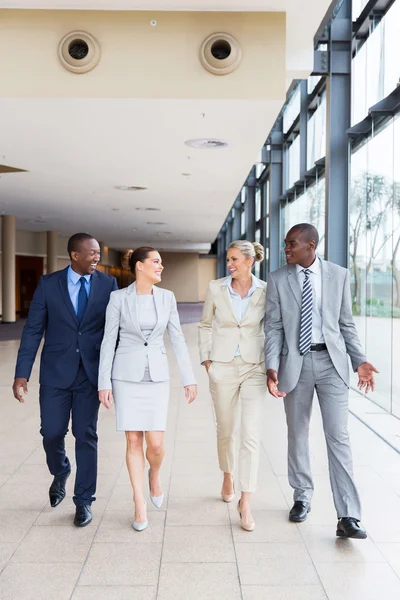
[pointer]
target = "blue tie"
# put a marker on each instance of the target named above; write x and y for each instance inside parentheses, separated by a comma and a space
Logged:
(82, 300)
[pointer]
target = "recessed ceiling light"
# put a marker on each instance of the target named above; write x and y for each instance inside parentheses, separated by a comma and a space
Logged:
(155, 223)
(147, 208)
(206, 143)
(186, 174)
(38, 220)
(115, 209)
(134, 229)
(130, 188)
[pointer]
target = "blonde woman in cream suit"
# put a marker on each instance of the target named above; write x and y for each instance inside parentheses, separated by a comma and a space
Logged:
(135, 373)
(231, 340)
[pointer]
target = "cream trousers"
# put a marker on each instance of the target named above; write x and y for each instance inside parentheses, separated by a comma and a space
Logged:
(229, 382)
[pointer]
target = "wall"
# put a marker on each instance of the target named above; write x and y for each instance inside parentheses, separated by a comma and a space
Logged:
(181, 275)
(207, 272)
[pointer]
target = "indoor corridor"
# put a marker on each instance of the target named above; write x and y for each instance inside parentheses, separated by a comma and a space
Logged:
(194, 547)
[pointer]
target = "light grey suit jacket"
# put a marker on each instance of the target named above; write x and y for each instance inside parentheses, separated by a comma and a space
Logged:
(282, 323)
(128, 361)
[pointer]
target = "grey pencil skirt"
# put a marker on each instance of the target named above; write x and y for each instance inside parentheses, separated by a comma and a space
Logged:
(141, 406)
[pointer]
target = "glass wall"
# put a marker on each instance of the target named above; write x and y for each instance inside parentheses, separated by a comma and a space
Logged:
(375, 209)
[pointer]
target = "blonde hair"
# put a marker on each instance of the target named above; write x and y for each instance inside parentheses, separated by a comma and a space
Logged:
(249, 249)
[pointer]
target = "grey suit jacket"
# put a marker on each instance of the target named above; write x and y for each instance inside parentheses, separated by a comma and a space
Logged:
(128, 361)
(282, 323)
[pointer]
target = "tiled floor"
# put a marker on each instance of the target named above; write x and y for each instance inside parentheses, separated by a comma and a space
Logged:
(194, 547)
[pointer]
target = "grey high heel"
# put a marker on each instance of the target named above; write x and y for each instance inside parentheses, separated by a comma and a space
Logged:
(156, 500)
(140, 526)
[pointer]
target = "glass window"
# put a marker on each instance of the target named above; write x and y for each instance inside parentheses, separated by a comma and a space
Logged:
(316, 133)
(358, 6)
(293, 163)
(359, 108)
(391, 49)
(292, 110)
(258, 204)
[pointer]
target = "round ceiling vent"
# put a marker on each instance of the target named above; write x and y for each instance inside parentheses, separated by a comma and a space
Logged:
(220, 54)
(130, 188)
(206, 144)
(79, 52)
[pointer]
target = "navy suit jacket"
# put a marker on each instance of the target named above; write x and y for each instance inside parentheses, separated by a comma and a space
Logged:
(66, 342)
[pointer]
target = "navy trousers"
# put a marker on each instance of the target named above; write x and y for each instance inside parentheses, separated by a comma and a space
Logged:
(80, 401)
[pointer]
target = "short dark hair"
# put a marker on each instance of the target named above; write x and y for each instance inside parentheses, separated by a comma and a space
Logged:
(310, 231)
(75, 241)
(139, 255)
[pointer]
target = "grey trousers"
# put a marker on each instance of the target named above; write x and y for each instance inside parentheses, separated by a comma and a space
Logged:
(318, 374)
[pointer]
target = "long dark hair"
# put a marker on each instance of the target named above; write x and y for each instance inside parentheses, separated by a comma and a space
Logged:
(134, 256)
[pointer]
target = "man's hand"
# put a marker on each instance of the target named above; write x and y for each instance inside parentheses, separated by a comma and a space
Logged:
(20, 382)
(106, 398)
(190, 393)
(207, 364)
(272, 384)
(366, 377)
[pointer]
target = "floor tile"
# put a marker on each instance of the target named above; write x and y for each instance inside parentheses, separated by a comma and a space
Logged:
(198, 544)
(392, 554)
(119, 592)
(324, 546)
(122, 564)
(359, 581)
(6, 551)
(116, 527)
(55, 544)
(197, 511)
(38, 581)
(271, 526)
(275, 564)
(200, 581)
(283, 592)
(15, 524)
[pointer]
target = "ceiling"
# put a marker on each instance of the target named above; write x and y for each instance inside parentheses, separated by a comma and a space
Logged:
(76, 152)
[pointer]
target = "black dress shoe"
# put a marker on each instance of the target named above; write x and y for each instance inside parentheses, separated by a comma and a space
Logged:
(83, 515)
(299, 511)
(348, 527)
(57, 490)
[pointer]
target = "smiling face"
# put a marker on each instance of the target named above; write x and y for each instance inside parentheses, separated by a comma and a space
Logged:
(238, 265)
(85, 260)
(151, 268)
(299, 249)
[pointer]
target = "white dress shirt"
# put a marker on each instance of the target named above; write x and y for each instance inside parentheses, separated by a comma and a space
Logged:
(316, 283)
(240, 305)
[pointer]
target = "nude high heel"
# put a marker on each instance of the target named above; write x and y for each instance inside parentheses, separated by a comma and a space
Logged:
(246, 525)
(228, 497)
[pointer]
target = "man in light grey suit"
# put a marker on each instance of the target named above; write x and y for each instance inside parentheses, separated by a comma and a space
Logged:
(309, 331)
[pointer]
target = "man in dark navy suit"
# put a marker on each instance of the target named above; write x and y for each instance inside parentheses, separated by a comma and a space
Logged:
(69, 308)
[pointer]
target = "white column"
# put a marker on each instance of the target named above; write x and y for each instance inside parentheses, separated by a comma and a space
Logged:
(8, 268)
(52, 248)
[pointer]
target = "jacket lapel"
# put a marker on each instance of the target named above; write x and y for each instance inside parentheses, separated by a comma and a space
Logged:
(326, 283)
(65, 294)
(160, 309)
(228, 301)
(294, 283)
(131, 300)
(255, 297)
(94, 283)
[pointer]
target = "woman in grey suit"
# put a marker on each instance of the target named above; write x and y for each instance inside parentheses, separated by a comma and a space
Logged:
(136, 374)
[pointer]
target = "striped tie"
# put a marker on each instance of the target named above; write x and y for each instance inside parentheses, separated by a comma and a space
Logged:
(306, 314)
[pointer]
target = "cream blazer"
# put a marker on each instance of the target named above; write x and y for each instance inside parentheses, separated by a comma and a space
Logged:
(220, 333)
(127, 360)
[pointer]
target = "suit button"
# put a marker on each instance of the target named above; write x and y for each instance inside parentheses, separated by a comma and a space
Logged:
(79, 333)
(146, 344)
(77, 349)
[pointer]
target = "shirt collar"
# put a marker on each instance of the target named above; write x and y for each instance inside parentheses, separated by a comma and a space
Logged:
(314, 268)
(256, 283)
(75, 277)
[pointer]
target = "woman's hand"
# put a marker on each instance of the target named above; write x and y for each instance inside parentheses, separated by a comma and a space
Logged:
(106, 398)
(190, 392)
(207, 364)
